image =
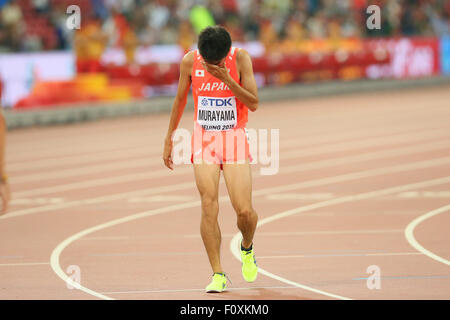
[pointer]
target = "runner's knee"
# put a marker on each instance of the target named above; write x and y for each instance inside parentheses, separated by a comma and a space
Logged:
(244, 212)
(210, 204)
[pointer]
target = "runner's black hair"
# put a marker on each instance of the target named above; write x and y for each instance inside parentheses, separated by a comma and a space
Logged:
(214, 43)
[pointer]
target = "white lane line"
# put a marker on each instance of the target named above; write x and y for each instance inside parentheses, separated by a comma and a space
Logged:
(162, 198)
(284, 170)
(122, 254)
(62, 142)
(144, 150)
(338, 255)
(409, 233)
(301, 196)
(54, 260)
(78, 160)
(102, 199)
(234, 243)
(80, 150)
(147, 162)
(306, 233)
(108, 238)
(311, 137)
(409, 277)
(260, 234)
(36, 201)
(114, 156)
(425, 194)
(363, 143)
(182, 186)
(305, 184)
(314, 150)
(197, 290)
(23, 264)
(358, 175)
(331, 232)
(366, 157)
(108, 181)
(395, 254)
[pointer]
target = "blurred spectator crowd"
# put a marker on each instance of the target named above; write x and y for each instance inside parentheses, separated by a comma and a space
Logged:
(37, 25)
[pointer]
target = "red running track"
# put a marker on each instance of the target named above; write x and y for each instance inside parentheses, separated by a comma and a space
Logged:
(360, 180)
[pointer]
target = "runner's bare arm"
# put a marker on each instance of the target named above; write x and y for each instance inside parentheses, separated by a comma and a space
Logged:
(178, 105)
(4, 186)
(184, 83)
(248, 92)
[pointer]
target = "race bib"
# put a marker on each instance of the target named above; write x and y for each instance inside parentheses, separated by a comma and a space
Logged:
(216, 114)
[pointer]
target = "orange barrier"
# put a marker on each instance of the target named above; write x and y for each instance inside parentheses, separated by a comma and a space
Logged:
(84, 88)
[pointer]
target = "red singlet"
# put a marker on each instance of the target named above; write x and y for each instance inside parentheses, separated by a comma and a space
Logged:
(220, 118)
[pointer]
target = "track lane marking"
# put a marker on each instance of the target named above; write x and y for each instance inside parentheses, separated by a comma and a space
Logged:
(54, 258)
(338, 255)
(144, 162)
(234, 243)
(409, 277)
(196, 290)
(409, 234)
(182, 186)
(379, 114)
(306, 233)
(23, 264)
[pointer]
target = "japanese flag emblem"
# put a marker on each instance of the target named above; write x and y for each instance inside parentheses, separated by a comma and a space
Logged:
(199, 73)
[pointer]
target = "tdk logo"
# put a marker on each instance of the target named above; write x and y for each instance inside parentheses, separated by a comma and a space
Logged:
(217, 102)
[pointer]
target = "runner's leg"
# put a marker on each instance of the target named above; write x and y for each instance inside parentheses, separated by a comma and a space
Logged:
(238, 179)
(207, 178)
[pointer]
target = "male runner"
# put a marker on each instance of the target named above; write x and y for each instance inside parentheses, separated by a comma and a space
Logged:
(224, 88)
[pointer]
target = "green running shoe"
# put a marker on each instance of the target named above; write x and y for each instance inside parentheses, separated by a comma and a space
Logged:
(218, 283)
(249, 266)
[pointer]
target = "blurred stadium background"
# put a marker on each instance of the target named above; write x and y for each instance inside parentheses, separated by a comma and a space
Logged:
(127, 51)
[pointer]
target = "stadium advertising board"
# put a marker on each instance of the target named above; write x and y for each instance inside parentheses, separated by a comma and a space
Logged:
(410, 58)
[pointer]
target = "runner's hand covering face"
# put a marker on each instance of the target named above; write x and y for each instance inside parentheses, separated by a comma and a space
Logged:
(218, 71)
